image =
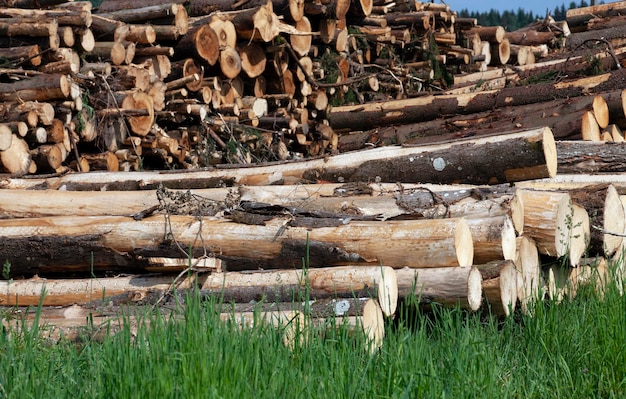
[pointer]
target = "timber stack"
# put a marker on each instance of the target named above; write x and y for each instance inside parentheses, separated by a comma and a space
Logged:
(485, 116)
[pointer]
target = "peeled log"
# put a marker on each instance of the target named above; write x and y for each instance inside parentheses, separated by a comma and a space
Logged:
(547, 219)
(274, 286)
(37, 88)
(63, 243)
(499, 283)
(448, 286)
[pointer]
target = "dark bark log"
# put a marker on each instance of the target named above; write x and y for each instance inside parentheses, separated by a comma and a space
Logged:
(588, 157)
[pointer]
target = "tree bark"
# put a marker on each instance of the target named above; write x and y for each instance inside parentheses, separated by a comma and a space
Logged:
(37, 88)
(529, 155)
(580, 16)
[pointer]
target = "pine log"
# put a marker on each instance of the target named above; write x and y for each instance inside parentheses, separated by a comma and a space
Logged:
(201, 41)
(547, 219)
(562, 117)
(419, 243)
(21, 204)
(230, 62)
(144, 14)
(580, 235)
(29, 55)
(499, 284)
(528, 267)
(410, 164)
(606, 216)
(492, 34)
(580, 16)
(16, 159)
(589, 129)
(530, 37)
(601, 111)
(576, 40)
(258, 23)
(140, 125)
(278, 286)
(447, 286)
(369, 115)
(590, 157)
(253, 59)
(37, 88)
(494, 239)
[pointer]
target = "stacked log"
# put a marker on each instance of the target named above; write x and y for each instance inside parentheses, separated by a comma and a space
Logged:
(172, 86)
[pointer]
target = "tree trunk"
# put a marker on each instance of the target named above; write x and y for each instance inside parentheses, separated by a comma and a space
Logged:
(37, 88)
(586, 157)
(419, 109)
(53, 247)
(525, 159)
(576, 40)
(500, 286)
(447, 286)
(529, 284)
(108, 6)
(580, 16)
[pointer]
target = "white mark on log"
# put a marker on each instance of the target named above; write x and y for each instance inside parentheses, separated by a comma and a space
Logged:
(439, 164)
(411, 159)
(341, 307)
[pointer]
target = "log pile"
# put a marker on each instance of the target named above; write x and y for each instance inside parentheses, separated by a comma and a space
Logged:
(126, 91)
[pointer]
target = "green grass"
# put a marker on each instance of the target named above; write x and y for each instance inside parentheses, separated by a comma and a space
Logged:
(571, 350)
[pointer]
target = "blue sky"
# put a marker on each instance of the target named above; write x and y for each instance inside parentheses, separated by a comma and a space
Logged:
(536, 6)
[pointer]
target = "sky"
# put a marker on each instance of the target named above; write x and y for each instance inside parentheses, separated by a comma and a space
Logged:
(536, 6)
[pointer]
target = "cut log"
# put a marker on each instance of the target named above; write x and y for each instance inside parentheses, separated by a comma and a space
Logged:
(454, 286)
(201, 41)
(253, 59)
(528, 266)
(140, 125)
(586, 157)
(580, 16)
(547, 219)
(6, 137)
(225, 30)
(580, 236)
(419, 109)
(256, 23)
(27, 54)
(606, 217)
(230, 62)
(494, 239)
(420, 243)
(398, 164)
(530, 37)
(590, 130)
(499, 284)
(37, 88)
(16, 159)
(601, 111)
(301, 42)
(577, 40)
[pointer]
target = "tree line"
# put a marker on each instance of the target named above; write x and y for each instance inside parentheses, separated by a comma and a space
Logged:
(513, 20)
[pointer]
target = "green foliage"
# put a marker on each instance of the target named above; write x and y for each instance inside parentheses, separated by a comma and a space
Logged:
(6, 270)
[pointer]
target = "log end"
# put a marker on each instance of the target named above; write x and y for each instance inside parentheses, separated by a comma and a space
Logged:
(508, 239)
(474, 289)
(373, 324)
(563, 226)
(580, 234)
(614, 221)
(463, 243)
(549, 151)
(388, 290)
